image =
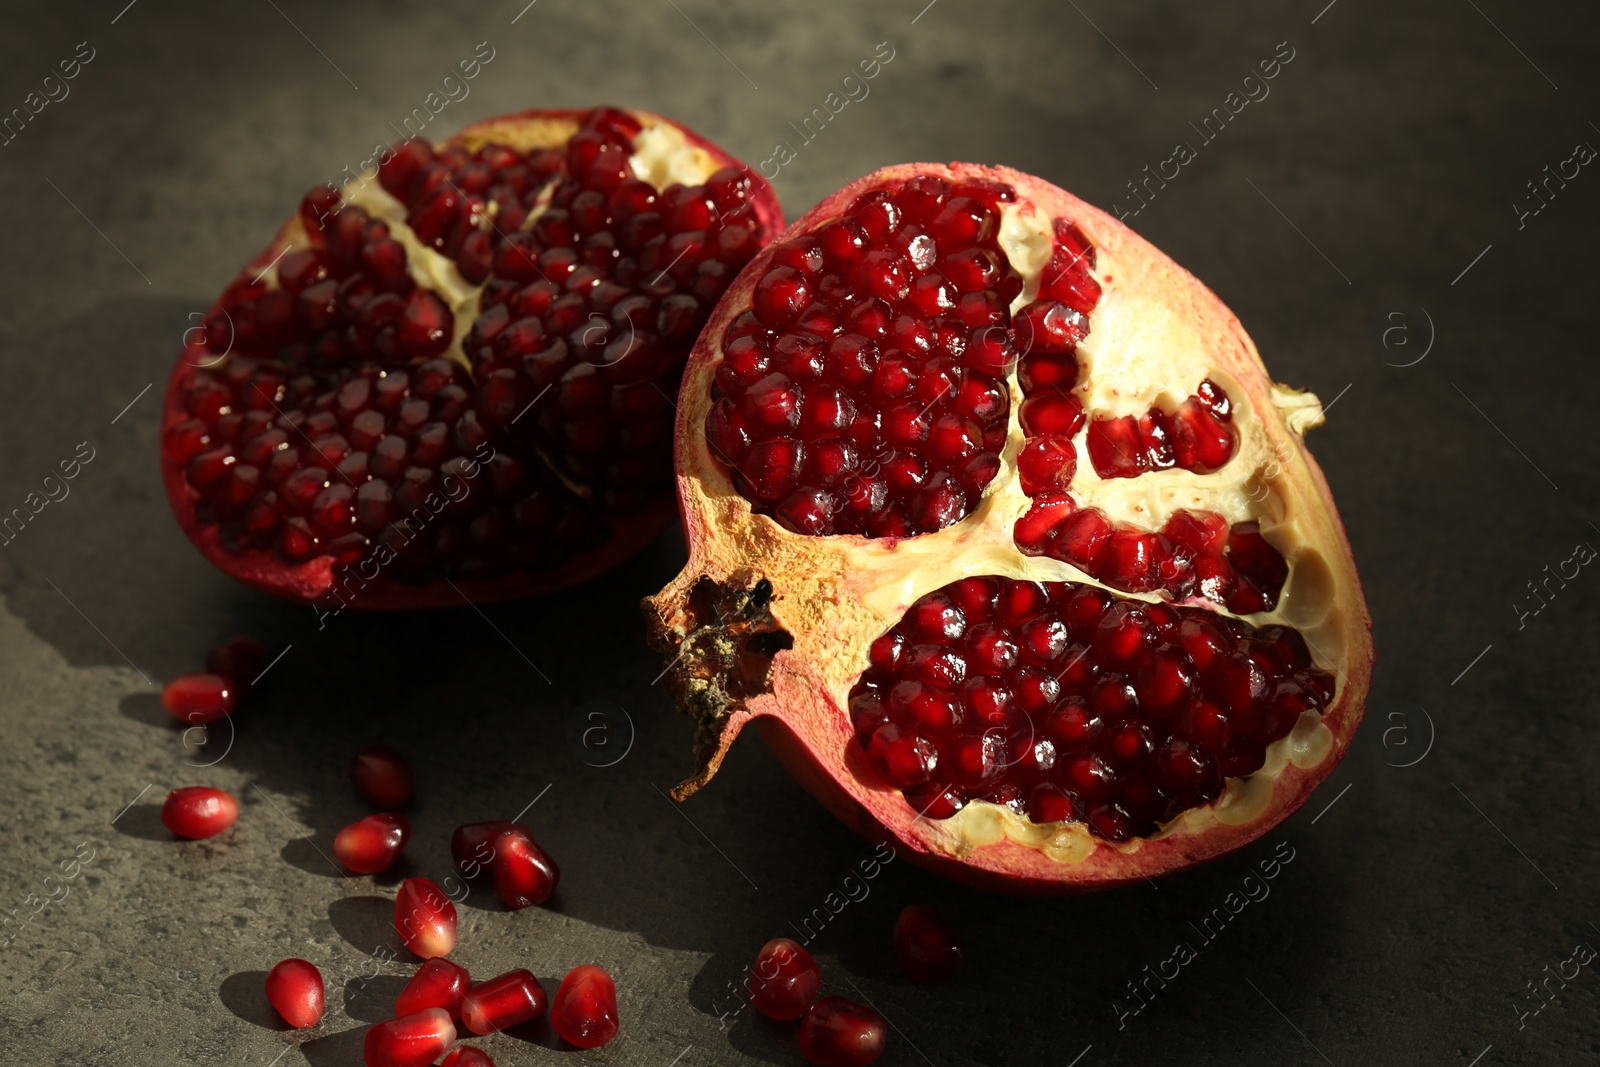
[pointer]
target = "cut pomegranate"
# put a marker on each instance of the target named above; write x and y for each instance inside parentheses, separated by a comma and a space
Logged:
(523, 873)
(585, 1009)
(382, 776)
(784, 980)
(371, 845)
(240, 661)
(364, 419)
(410, 1041)
(425, 918)
(438, 983)
(199, 698)
(841, 1033)
(926, 946)
(503, 1001)
(466, 1056)
(197, 811)
(1114, 637)
(294, 989)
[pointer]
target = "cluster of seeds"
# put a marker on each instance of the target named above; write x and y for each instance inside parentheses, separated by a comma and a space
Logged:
(863, 391)
(1064, 702)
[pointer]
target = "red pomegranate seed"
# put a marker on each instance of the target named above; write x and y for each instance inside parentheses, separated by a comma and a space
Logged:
(294, 989)
(1126, 692)
(503, 1001)
(585, 1009)
(239, 660)
(410, 1041)
(197, 811)
(199, 698)
(425, 918)
(438, 983)
(382, 776)
(371, 845)
(524, 874)
(784, 980)
(466, 1056)
(841, 1033)
(926, 945)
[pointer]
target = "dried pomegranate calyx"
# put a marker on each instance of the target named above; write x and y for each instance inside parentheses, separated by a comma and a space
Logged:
(774, 624)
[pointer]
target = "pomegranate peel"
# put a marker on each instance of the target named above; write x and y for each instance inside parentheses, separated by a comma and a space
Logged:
(1233, 530)
(293, 469)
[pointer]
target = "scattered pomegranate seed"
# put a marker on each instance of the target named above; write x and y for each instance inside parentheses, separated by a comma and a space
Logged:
(926, 945)
(1076, 705)
(294, 988)
(785, 980)
(382, 776)
(841, 1033)
(197, 811)
(425, 918)
(198, 698)
(372, 844)
(239, 660)
(438, 983)
(410, 1041)
(524, 874)
(467, 1056)
(503, 1001)
(585, 1009)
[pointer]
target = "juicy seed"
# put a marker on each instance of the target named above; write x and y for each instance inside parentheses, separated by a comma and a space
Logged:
(863, 391)
(523, 873)
(1075, 705)
(371, 845)
(466, 1056)
(240, 661)
(585, 1009)
(294, 989)
(410, 1041)
(199, 698)
(501, 1002)
(926, 945)
(197, 811)
(438, 983)
(382, 776)
(425, 918)
(784, 980)
(841, 1033)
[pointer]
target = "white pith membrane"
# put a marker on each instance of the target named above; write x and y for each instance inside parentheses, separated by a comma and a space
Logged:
(1146, 346)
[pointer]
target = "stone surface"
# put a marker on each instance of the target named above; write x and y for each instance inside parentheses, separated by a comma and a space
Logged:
(1387, 155)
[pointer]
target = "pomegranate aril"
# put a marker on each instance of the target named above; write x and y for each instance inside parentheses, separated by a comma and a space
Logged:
(199, 698)
(239, 660)
(410, 1041)
(584, 1011)
(466, 1056)
(504, 1001)
(425, 918)
(382, 776)
(294, 989)
(784, 980)
(371, 845)
(438, 983)
(524, 874)
(837, 1032)
(197, 811)
(926, 945)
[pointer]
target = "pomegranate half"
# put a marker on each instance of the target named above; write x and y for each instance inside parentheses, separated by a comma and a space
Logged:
(455, 378)
(1003, 536)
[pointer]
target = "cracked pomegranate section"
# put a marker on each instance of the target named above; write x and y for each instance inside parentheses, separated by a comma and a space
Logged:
(462, 369)
(1132, 639)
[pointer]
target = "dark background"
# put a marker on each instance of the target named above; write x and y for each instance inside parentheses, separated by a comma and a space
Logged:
(1458, 862)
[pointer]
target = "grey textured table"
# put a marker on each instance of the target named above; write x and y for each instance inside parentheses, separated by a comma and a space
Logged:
(1450, 861)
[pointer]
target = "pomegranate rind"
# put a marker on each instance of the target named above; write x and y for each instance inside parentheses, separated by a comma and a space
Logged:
(316, 578)
(822, 600)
